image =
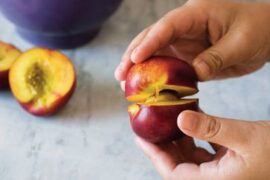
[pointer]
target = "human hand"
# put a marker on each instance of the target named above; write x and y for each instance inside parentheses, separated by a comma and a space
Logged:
(242, 149)
(221, 39)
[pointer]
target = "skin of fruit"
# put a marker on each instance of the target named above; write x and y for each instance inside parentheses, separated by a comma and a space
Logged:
(158, 124)
(53, 108)
(4, 80)
(61, 99)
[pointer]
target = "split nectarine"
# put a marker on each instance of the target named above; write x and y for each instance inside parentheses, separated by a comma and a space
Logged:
(157, 87)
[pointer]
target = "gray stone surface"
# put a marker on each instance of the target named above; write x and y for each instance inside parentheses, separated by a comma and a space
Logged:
(91, 137)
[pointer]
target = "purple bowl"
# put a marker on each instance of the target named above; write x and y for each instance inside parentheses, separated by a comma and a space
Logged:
(58, 23)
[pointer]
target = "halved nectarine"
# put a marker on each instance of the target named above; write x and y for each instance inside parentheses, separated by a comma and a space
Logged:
(8, 54)
(157, 86)
(42, 80)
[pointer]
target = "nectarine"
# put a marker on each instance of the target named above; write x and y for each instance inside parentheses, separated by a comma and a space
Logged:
(157, 87)
(42, 80)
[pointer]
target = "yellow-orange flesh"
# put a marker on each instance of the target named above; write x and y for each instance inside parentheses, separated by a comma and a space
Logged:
(166, 98)
(41, 77)
(8, 55)
(155, 90)
(158, 85)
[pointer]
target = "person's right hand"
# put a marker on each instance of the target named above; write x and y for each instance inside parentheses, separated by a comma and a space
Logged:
(220, 39)
(242, 150)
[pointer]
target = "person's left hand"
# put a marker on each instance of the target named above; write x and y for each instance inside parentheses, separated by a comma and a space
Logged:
(242, 149)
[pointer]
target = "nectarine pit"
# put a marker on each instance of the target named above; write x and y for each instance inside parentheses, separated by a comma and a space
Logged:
(164, 95)
(36, 78)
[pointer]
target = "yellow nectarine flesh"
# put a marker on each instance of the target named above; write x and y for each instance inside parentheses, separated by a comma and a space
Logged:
(8, 54)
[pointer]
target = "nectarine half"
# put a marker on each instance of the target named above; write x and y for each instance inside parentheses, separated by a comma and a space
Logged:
(42, 80)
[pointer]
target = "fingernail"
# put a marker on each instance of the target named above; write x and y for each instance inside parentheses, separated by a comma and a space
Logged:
(203, 68)
(189, 121)
(122, 84)
(116, 73)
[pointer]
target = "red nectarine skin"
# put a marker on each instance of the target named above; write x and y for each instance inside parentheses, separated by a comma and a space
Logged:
(55, 107)
(4, 80)
(158, 124)
(157, 72)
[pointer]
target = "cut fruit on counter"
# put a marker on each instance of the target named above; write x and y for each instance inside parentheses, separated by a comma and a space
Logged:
(8, 54)
(42, 81)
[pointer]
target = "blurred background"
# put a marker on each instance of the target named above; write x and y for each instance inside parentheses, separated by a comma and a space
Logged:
(91, 137)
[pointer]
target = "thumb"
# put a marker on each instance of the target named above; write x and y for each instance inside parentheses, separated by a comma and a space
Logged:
(233, 134)
(229, 50)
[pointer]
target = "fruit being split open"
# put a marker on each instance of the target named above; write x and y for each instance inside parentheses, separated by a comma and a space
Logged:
(42, 80)
(157, 86)
(8, 54)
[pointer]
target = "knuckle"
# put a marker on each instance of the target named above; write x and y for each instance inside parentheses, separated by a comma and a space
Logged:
(215, 60)
(164, 32)
(242, 36)
(212, 127)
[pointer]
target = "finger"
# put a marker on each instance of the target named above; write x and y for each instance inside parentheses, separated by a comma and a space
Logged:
(190, 171)
(238, 70)
(226, 132)
(185, 49)
(163, 33)
(162, 160)
(122, 69)
(229, 50)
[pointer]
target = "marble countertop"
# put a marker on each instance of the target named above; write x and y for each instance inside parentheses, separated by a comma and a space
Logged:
(91, 137)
